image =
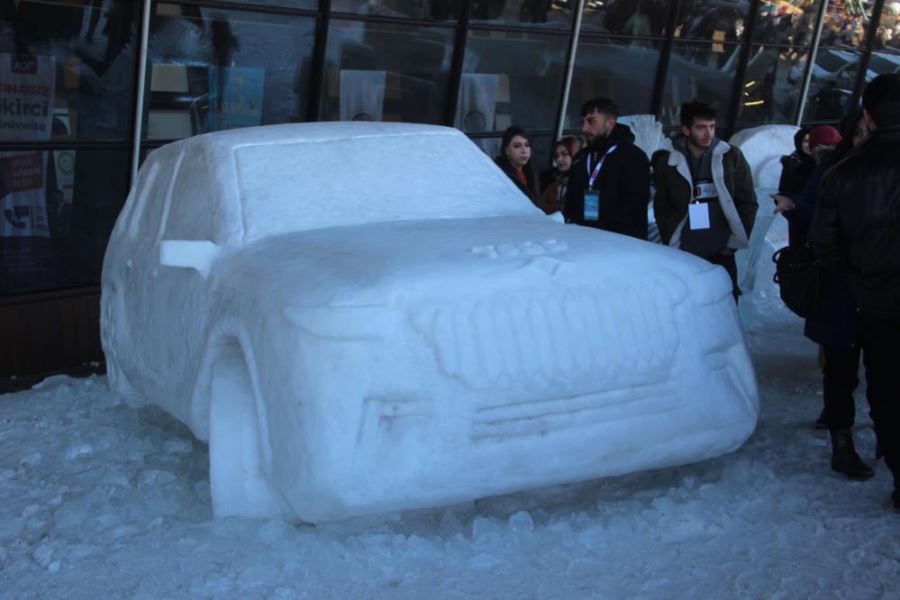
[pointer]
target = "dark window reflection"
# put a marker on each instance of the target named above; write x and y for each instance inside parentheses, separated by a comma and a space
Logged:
(623, 71)
(537, 13)
(719, 21)
(211, 70)
(626, 17)
(831, 85)
(510, 79)
(437, 10)
(74, 61)
(836, 65)
(771, 92)
(886, 55)
(300, 4)
(56, 223)
(845, 25)
(784, 23)
(701, 71)
(378, 72)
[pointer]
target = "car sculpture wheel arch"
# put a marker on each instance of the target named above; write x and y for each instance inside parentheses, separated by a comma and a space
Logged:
(237, 436)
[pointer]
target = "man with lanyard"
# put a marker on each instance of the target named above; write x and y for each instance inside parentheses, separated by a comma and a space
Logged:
(705, 202)
(609, 182)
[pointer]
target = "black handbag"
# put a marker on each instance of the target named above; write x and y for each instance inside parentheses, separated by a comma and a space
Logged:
(799, 277)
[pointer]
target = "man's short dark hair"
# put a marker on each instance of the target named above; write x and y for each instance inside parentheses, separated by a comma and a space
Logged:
(881, 99)
(601, 105)
(696, 110)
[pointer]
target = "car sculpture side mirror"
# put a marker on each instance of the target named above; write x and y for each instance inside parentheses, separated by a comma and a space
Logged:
(197, 255)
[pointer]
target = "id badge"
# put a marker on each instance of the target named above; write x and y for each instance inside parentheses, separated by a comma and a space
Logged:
(591, 206)
(698, 215)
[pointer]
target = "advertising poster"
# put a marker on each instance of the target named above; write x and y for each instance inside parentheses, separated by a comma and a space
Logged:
(26, 113)
(235, 97)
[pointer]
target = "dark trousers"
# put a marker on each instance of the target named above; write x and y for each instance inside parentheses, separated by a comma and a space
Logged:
(727, 262)
(880, 346)
(839, 382)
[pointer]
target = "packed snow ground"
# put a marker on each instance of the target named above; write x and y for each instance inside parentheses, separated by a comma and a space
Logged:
(99, 500)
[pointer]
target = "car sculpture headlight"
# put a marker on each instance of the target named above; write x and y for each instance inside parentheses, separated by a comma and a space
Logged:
(371, 317)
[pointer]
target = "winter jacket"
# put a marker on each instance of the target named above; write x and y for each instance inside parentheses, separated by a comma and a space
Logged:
(796, 168)
(554, 197)
(800, 217)
(734, 186)
(623, 184)
(856, 225)
(531, 190)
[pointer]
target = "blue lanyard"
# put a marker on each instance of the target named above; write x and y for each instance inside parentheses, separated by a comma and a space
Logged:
(593, 175)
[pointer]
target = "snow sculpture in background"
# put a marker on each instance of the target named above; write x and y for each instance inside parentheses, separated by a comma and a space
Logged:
(648, 133)
(763, 148)
(366, 317)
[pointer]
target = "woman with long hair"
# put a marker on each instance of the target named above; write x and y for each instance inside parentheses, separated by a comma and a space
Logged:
(515, 160)
(554, 197)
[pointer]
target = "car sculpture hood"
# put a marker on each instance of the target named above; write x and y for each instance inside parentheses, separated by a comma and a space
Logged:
(371, 317)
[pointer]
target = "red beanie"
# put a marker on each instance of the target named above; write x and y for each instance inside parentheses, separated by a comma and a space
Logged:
(824, 135)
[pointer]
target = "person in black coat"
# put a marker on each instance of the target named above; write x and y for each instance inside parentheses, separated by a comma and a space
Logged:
(833, 324)
(855, 234)
(609, 182)
(795, 171)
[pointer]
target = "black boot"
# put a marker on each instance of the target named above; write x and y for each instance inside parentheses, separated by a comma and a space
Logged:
(821, 422)
(844, 458)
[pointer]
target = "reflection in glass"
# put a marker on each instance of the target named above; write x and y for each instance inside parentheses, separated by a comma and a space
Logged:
(299, 4)
(845, 25)
(76, 63)
(626, 17)
(771, 92)
(831, 85)
(380, 72)
(619, 70)
(719, 21)
(211, 70)
(55, 231)
(702, 72)
(538, 13)
(886, 55)
(510, 79)
(786, 23)
(436, 10)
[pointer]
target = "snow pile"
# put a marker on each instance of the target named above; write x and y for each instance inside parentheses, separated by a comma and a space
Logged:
(100, 500)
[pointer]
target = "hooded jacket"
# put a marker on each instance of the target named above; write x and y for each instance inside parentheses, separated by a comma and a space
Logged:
(855, 225)
(796, 168)
(623, 184)
(733, 182)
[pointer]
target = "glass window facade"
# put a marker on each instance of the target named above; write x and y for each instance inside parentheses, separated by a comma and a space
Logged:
(70, 70)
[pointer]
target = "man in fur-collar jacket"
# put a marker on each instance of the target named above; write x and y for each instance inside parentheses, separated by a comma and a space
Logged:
(609, 181)
(705, 202)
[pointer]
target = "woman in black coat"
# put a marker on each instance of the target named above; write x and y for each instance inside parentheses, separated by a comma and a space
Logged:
(834, 323)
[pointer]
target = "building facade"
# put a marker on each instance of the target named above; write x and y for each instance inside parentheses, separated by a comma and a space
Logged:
(89, 87)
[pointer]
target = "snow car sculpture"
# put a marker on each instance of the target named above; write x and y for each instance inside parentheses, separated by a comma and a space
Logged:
(370, 317)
